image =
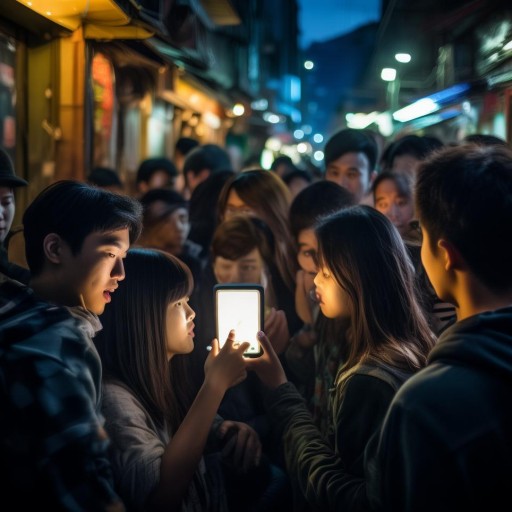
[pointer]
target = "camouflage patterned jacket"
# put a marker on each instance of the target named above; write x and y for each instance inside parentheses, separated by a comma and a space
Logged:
(52, 443)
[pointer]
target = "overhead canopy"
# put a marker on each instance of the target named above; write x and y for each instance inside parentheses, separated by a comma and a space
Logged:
(101, 19)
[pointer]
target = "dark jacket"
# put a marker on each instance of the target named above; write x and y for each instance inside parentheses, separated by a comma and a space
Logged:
(12, 270)
(53, 448)
(317, 464)
(447, 440)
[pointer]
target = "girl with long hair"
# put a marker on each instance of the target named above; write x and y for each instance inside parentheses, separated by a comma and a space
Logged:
(366, 278)
(263, 194)
(158, 429)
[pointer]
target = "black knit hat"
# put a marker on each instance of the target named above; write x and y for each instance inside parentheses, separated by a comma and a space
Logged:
(7, 176)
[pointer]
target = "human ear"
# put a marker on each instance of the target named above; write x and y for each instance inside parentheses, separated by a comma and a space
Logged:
(451, 255)
(52, 248)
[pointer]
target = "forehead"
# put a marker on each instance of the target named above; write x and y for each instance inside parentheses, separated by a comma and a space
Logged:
(404, 163)
(386, 187)
(6, 192)
(252, 256)
(160, 175)
(159, 209)
(307, 237)
(119, 238)
(354, 160)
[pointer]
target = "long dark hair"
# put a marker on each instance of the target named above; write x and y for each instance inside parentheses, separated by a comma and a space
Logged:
(132, 344)
(268, 196)
(368, 259)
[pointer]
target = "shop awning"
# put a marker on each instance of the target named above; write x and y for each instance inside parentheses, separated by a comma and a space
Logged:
(101, 19)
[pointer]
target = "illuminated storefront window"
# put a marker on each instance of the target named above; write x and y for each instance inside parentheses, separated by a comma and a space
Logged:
(104, 112)
(7, 94)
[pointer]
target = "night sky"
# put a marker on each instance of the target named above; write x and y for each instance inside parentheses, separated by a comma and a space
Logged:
(323, 19)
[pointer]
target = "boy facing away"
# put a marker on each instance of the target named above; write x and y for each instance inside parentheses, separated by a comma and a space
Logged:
(52, 444)
(446, 441)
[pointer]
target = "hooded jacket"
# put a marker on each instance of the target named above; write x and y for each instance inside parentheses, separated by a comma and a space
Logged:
(52, 443)
(446, 444)
(446, 440)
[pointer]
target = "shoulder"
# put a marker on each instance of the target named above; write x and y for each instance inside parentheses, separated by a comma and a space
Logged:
(379, 375)
(120, 405)
(118, 396)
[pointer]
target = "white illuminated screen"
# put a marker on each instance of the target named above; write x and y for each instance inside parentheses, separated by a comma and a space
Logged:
(239, 310)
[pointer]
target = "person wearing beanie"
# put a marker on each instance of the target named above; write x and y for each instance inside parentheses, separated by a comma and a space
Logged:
(350, 157)
(157, 172)
(8, 183)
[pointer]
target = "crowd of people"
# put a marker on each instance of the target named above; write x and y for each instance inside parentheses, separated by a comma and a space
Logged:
(386, 373)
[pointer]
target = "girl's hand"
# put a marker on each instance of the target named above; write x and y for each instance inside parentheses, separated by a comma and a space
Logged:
(267, 367)
(242, 445)
(225, 367)
(276, 327)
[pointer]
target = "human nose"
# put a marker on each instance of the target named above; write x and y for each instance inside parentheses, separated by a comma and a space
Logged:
(118, 270)
(191, 314)
(393, 211)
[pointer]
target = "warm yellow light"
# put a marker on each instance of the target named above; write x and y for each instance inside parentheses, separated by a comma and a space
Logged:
(238, 109)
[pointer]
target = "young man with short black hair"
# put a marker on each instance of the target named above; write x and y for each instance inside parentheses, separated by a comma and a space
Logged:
(53, 448)
(446, 441)
(350, 157)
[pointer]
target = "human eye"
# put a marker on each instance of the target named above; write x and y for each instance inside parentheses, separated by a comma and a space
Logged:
(181, 303)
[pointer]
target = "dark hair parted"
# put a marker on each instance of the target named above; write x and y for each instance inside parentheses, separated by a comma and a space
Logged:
(170, 198)
(315, 201)
(269, 198)
(236, 237)
(150, 166)
(104, 177)
(417, 146)
(403, 183)
(484, 139)
(367, 257)
(350, 140)
(133, 342)
(207, 156)
(186, 144)
(464, 195)
(73, 210)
